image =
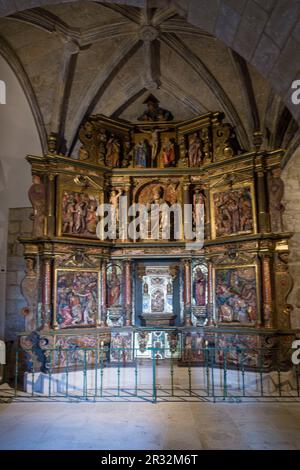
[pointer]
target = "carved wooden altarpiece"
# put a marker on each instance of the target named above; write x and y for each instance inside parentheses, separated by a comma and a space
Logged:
(89, 291)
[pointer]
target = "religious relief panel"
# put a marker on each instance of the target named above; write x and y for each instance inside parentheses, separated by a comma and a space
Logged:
(75, 351)
(121, 347)
(233, 211)
(194, 347)
(76, 298)
(236, 294)
(199, 147)
(78, 216)
(159, 224)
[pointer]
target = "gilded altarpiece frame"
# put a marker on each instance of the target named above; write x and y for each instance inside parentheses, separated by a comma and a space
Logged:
(208, 162)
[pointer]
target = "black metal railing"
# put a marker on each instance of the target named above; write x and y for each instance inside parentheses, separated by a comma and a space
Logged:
(152, 374)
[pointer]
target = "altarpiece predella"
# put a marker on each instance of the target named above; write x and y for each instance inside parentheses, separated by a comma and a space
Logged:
(87, 291)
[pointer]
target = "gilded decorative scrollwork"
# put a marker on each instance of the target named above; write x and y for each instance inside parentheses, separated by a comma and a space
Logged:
(283, 287)
(225, 144)
(29, 289)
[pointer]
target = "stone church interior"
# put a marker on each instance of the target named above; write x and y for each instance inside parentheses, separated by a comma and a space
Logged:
(160, 103)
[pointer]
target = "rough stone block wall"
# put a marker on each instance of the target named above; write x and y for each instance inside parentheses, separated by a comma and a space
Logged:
(291, 221)
(19, 224)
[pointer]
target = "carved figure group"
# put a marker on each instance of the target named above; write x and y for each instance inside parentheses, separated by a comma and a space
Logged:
(77, 297)
(79, 213)
(233, 211)
(236, 295)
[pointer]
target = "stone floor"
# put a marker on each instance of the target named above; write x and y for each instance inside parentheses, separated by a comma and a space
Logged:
(149, 426)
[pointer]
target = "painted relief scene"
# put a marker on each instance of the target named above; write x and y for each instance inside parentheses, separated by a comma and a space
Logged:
(79, 214)
(77, 298)
(236, 295)
(121, 347)
(233, 212)
(75, 350)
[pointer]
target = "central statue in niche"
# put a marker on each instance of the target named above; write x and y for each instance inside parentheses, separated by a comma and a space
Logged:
(157, 295)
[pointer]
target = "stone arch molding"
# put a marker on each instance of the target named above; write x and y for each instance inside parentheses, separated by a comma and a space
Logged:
(266, 33)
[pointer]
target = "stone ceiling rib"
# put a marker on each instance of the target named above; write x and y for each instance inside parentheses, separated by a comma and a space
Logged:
(169, 86)
(275, 107)
(244, 77)
(64, 81)
(100, 83)
(294, 144)
(135, 92)
(51, 23)
(46, 21)
(178, 25)
(195, 62)
(131, 13)
(163, 14)
(181, 95)
(13, 60)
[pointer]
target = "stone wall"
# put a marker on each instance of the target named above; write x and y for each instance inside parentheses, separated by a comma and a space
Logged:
(291, 221)
(19, 224)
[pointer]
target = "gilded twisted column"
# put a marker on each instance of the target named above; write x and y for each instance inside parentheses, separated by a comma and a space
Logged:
(186, 199)
(187, 292)
(46, 294)
(268, 313)
(50, 219)
(263, 215)
(210, 304)
(103, 292)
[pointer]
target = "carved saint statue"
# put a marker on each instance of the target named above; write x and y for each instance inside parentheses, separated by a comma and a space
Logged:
(141, 151)
(36, 196)
(127, 152)
(113, 152)
(199, 287)
(114, 288)
(159, 220)
(168, 152)
(154, 112)
(102, 146)
(83, 154)
(194, 151)
(198, 198)
(276, 191)
(114, 201)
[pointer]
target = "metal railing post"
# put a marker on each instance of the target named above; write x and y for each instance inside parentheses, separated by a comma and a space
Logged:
(154, 391)
(225, 374)
(16, 371)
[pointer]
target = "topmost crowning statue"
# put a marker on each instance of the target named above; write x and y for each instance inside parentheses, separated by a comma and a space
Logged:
(231, 291)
